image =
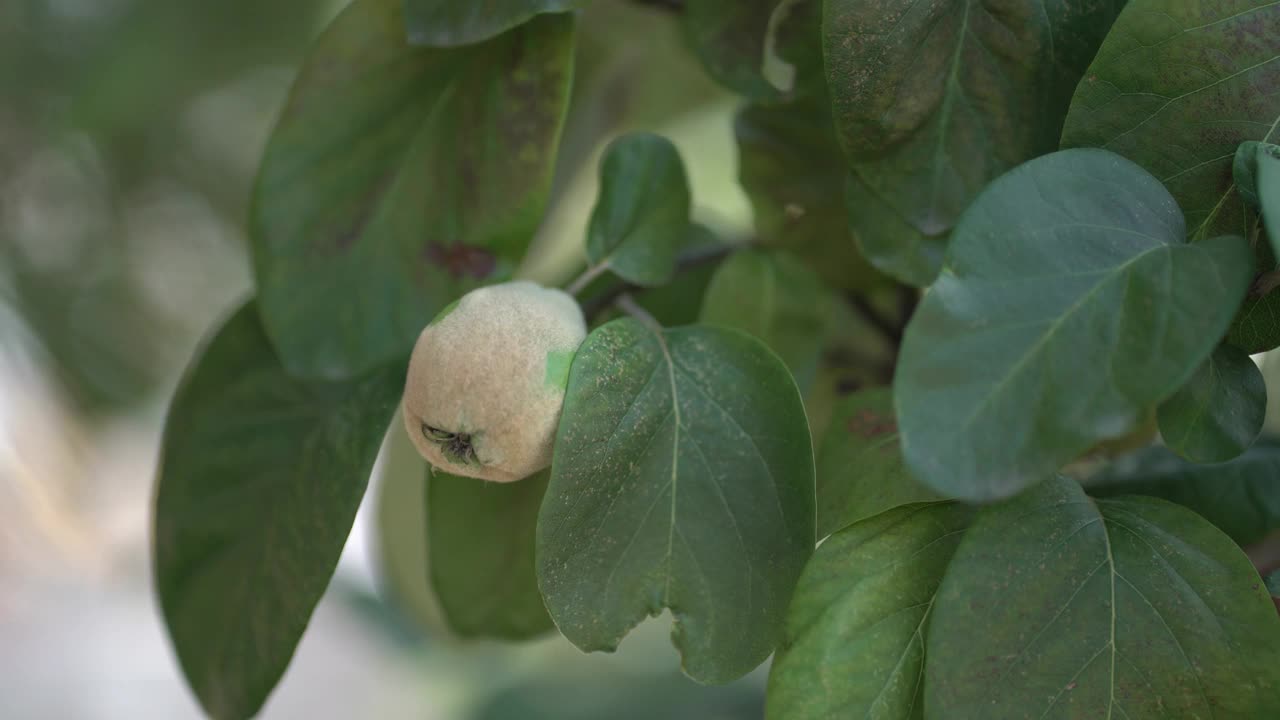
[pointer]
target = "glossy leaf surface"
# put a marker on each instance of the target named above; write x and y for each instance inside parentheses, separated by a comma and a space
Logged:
(1070, 303)
(934, 100)
(641, 218)
(682, 480)
(1129, 607)
(1241, 497)
(1219, 412)
(855, 637)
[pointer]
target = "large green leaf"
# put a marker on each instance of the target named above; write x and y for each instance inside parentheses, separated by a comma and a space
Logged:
(390, 185)
(682, 479)
(447, 23)
(731, 38)
(1176, 87)
(1269, 191)
(480, 537)
(860, 468)
(790, 166)
(260, 479)
(1056, 605)
(855, 633)
(775, 298)
(934, 100)
(1241, 497)
(1219, 412)
(1068, 306)
(641, 218)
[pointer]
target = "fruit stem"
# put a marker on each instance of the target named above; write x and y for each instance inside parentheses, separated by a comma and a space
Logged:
(628, 305)
(692, 258)
(586, 278)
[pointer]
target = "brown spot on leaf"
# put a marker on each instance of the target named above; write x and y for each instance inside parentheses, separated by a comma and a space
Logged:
(461, 260)
(870, 424)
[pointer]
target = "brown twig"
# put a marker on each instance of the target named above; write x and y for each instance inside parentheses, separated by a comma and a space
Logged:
(887, 326)
(908, 299)
(628, 305)
(892, 327)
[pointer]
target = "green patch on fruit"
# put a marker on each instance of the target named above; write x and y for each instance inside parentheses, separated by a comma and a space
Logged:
(558, 363)
(445, 312)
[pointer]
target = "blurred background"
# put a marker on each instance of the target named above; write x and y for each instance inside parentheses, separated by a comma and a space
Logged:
(130, 132)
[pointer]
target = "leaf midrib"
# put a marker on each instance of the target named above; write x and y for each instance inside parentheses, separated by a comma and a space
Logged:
(948, 100)
(675, 460)
(1050, 332)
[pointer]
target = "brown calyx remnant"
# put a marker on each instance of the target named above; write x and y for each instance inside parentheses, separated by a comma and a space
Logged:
(458, 446)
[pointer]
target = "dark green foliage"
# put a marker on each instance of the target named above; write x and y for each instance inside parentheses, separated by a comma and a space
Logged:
(390, 186)
(1219, 412)
(480, 538)
(682, 480)
(1131, 606)
(1077, 299)
(260, 479)
(641, 220)
(1058, 259)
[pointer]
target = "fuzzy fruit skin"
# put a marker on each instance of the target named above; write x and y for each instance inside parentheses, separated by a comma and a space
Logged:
(493, 367)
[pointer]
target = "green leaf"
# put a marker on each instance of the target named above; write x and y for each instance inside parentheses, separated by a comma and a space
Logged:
(1241, 497)
(400, 552)
(777, 299)
(1219, 412)
(890, 243)
(480, 537)
(682, 479)
(390, 186)
(1056, 605)
(934, 100)
(1269, 191)
(797, 43)
(855, 633)
(1176, 87)
(1255, 327)
(679, 302)
(447, 23)
(1068, 306)
(730, 37)
(1244, 173)
(260, 479)
(860, 468)
(790, 166)
(641, 218)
